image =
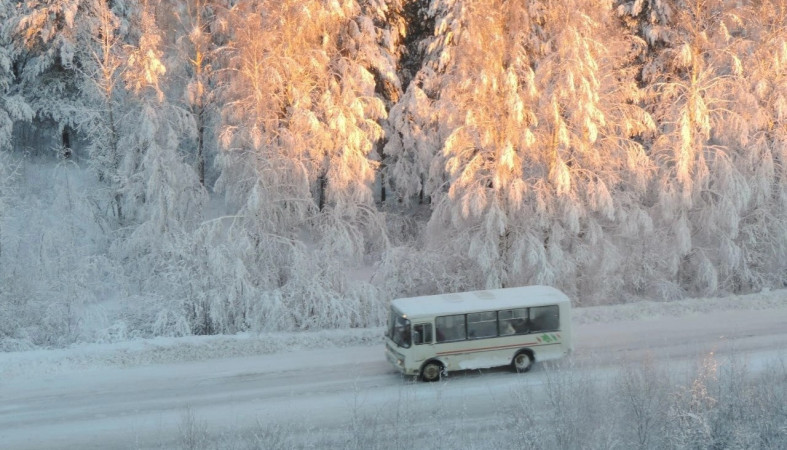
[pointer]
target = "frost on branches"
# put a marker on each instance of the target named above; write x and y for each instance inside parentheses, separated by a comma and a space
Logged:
(267, 165)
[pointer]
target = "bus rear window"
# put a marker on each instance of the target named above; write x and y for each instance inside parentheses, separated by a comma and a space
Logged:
(544, 318)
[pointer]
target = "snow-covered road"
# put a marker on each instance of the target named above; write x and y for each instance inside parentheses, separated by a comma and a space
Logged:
(324, 391)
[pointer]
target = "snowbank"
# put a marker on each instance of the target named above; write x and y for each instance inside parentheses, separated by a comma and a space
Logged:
(651, 310)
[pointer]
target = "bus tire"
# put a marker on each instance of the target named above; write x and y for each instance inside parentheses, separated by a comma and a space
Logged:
(523, 361)
(431, 371)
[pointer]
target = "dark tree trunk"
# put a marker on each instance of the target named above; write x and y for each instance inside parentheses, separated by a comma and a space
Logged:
(201, 145)
(321, 194)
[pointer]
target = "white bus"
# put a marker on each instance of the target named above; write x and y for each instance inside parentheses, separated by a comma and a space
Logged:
(431, 335)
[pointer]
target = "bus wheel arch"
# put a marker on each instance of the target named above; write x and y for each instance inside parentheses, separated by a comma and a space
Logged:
(523, 360)
(432, 370)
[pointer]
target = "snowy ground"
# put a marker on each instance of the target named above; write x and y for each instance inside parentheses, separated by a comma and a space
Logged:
(335, 389)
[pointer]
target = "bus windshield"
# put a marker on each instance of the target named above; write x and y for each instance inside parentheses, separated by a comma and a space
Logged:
(399, 329)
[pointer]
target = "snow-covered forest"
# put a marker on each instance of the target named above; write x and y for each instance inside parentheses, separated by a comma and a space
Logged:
(175, 167)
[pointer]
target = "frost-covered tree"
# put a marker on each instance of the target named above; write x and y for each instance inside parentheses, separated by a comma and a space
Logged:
(301, 115)
(757, 140)
(350, 110)
(13, 107)
(102, 54)
(46, 35)
(197, 31)
(269, 191)
(263, 175)
(160, 194)
(591, 169)
(692, 69)
(379, 46)
(301, 92)
(485, 111)
(412, 165)
(611, 148)
(688, 81)
(72, 57)
(533, 160)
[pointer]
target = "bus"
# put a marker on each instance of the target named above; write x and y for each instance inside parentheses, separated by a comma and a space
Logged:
(431, 335)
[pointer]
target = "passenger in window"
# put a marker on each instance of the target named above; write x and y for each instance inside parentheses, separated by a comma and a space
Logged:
(522, 326)
(507, 329)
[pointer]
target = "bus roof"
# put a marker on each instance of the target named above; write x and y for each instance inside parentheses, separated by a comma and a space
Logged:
(493, 299)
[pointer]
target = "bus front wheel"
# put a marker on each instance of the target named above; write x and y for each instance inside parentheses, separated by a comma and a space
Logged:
(522, 362)
(431, 371)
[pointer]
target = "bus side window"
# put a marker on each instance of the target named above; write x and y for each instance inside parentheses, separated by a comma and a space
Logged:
(451, 328)
(422, 333)
(481, 325)
(513, 321)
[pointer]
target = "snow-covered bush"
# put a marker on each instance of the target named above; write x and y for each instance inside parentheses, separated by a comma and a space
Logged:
(54, 274)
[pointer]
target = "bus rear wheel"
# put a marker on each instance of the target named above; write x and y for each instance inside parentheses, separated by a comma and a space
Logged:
(522, 362)
(431, 371)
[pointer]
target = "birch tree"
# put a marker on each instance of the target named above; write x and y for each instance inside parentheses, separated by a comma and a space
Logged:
(197, 31)
(72, 59)
(700, 190)
(488, 120)
(758, 140)
(412, 150)
(102, 52)
(305, 98)
(591, 168)
(160, 192)
(531, 152)
(301, 122)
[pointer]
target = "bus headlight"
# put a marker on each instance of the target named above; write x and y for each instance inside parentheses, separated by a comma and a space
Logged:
(394, 357)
